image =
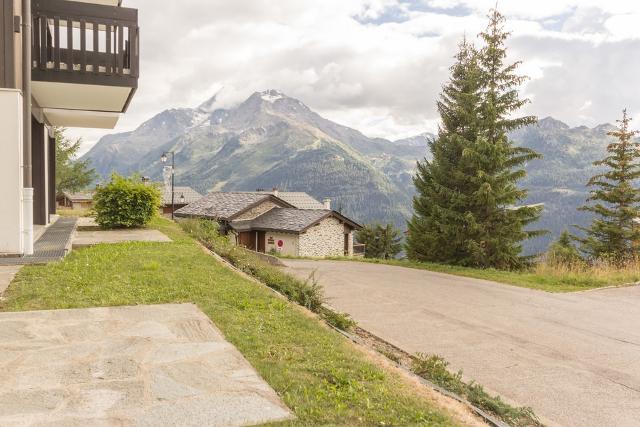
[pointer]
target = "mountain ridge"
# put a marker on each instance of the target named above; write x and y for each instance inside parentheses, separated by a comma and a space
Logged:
(272, 140)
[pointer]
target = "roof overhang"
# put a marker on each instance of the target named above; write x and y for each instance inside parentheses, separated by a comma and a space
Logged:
(102, 2)
(269, 197)
(80, 119)
(69, 96)
(343, 219)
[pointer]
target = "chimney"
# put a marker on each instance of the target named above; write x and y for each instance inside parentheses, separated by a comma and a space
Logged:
(146, 180)
(327, 203)
(275, 191)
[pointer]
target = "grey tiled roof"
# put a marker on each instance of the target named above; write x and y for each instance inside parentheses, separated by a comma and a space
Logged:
(79, 197)
(298, 199)
(190, 195)
(218, 205)
(285, 219)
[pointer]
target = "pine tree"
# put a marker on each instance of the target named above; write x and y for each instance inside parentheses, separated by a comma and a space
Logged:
(441, 206)
(380, 241)
(466, 208)
(499, 220)
(563, 252)
(614, 233)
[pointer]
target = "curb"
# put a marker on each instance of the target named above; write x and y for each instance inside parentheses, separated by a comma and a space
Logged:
(487, 418)
(68, 247)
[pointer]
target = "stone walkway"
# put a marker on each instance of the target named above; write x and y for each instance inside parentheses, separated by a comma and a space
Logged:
(163, 365)
(53, 245)
(91, 238)
(7, 273)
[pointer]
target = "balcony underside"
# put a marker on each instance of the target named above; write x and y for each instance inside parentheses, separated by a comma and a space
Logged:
(78, 105)
(81, 119)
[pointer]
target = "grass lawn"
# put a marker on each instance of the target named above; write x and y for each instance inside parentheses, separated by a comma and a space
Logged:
(320, 375)
(541, 277)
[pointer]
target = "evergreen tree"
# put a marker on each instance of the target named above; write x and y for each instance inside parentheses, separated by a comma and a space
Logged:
(614, 233)
(71, 174)
(381, 242)
(500, 218)
(437, 231)
(466, 209)
(563, 251)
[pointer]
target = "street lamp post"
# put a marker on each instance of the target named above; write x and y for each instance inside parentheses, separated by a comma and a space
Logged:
(163, 159)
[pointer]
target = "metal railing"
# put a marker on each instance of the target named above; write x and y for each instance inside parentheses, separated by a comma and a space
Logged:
(85, 43)
(358, 249)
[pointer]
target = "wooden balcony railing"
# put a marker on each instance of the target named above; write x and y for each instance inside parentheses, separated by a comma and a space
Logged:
(85, 43)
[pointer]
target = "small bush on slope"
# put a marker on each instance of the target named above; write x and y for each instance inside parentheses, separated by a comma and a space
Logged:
(434, 369)
(308, 294)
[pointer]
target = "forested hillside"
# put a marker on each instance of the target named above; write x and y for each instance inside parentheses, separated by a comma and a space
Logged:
(272, 140)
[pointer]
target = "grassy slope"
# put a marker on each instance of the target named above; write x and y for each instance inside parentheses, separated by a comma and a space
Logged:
(320, 375)
(541, 278)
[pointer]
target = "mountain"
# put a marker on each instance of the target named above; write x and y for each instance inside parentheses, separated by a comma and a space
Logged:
(272, 140)
(559, 179)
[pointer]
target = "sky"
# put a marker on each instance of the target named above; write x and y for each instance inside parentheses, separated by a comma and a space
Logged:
(378, 65)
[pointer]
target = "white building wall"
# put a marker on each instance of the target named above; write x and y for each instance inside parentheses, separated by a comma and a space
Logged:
(11, 172)
(324, 239)
(282, 243)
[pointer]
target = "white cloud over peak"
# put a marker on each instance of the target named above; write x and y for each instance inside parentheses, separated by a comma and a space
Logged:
(378, 65)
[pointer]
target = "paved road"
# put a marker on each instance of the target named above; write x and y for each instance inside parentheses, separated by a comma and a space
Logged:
(574, 358)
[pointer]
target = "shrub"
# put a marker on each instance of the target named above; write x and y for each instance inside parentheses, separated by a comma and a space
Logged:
(308, 293)
(125, 203)
(381, 241)
(563, 252)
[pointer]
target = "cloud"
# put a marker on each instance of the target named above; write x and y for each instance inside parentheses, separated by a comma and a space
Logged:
(378, 65)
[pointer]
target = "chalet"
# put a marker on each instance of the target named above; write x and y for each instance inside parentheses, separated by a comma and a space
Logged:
(287, 223)
(82, 200)
(182, 196)
(62, 64)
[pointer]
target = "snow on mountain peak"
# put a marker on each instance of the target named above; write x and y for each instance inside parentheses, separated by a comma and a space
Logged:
(271, 95)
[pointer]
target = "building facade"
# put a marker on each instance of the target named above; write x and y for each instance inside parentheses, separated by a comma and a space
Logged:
(282, 223)
(67, 64)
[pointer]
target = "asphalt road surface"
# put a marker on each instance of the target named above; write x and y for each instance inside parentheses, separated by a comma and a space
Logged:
(574, 358)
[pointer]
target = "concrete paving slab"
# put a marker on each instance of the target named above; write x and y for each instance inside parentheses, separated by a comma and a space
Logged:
(87, 222)
(163, 365)
(7, 273)
(95, 237)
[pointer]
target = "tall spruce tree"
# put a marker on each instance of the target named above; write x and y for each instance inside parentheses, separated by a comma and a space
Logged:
(467, 204)
(501, 217)
(437, 231)
(614, 234)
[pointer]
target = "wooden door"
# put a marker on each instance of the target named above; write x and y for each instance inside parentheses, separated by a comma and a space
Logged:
(247, 239)
(262, 236)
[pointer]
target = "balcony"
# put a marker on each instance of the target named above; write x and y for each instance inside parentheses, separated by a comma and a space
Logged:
(85, 61)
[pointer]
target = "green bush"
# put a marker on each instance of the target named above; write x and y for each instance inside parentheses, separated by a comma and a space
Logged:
(563, 252)
(381, 241)
(125, 203)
